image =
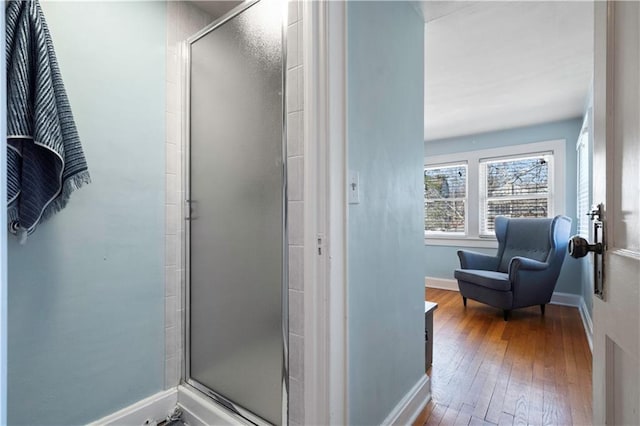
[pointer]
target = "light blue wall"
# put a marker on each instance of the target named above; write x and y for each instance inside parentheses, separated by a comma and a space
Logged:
(3, 235)
(440, 261)
(86, 292)
(385, 288)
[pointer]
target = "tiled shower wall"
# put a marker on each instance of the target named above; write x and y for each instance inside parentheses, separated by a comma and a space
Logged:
(295, 207)
(183, 20)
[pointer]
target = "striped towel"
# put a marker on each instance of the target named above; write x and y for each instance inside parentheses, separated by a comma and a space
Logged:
(45, 162)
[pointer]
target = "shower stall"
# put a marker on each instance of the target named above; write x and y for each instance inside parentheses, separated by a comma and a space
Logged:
(235, 236)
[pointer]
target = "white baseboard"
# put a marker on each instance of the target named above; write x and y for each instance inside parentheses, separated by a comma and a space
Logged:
(198, 410)
(558, 298)
(565, 299)
(441, 283)
(410, 406)
(201, 411)
(147, 411)
(586, 321)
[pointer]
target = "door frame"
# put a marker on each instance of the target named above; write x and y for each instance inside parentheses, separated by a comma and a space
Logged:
(325, 212)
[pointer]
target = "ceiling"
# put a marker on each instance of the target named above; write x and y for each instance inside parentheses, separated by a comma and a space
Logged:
(215, 8)
(498, 65)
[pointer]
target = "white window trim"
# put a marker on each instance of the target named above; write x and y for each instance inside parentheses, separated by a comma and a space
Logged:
(473, 238)
(583, 146)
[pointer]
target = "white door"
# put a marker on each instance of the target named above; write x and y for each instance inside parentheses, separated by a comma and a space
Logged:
(616, 319)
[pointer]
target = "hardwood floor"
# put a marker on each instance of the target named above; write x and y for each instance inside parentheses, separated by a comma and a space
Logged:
(531, 370)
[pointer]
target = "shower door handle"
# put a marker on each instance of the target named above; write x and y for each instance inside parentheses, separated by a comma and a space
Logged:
(192, 209)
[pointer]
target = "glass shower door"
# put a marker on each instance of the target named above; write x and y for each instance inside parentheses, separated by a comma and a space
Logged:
(236, 333)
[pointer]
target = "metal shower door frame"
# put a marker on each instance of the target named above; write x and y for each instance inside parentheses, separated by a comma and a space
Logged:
(242, 414)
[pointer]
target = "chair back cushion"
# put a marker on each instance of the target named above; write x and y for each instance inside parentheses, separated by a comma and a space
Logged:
(528, 237)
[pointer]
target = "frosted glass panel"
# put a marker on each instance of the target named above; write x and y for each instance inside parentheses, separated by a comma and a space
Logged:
(236, 176)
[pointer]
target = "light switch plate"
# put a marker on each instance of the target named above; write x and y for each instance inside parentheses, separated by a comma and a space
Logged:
(354, 188)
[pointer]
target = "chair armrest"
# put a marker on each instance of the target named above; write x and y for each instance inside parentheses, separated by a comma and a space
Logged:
(473, 260)
(532, 281)
(524, 264)
(527, 264)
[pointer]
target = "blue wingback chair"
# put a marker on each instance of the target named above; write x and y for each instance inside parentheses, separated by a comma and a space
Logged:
(526, 268)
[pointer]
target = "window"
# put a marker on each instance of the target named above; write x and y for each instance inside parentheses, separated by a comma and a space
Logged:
(445, 199)
(464, 192)
(515, 187)
(584, 183)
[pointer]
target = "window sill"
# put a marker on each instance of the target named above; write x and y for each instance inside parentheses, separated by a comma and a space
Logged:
(461, 242)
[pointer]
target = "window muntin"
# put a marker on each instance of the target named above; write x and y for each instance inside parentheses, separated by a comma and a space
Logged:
(515, 187)
(445, 199)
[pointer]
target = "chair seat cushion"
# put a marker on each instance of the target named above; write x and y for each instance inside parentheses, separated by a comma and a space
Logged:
(489, 279)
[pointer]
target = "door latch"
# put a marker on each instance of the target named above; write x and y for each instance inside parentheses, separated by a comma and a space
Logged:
(580, 247)
(597, 212)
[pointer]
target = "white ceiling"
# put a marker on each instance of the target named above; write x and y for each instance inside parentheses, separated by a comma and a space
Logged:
(216, 8)
(498, 65)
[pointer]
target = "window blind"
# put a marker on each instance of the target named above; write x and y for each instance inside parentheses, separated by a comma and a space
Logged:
(445, 198)
(515, 187)
(584, 185)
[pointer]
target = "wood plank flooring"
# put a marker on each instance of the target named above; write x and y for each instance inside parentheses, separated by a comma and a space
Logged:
(531, 370)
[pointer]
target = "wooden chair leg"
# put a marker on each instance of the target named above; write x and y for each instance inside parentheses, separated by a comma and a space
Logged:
(506, 314)
(542, 308)
(464, 301)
